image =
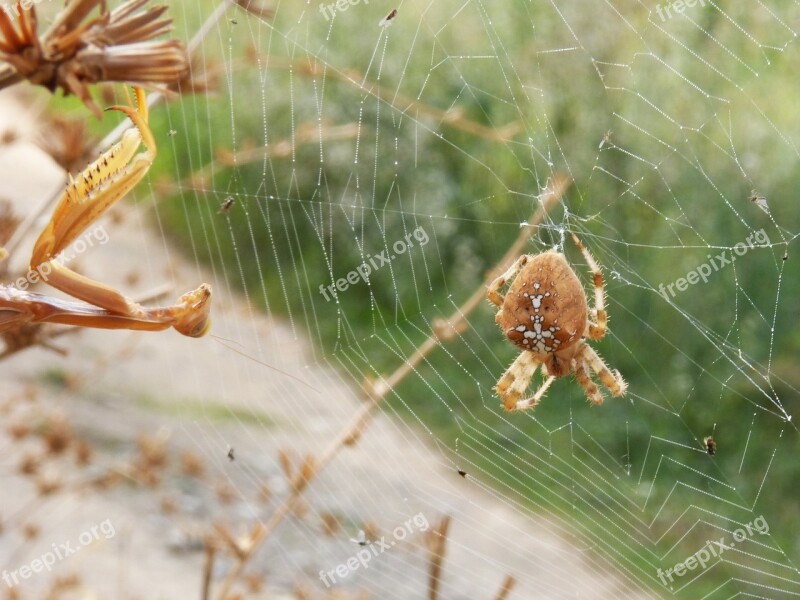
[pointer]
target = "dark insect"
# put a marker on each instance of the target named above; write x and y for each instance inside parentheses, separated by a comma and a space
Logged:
(606, 139)
(388, 20)
(759, 201)
(362, 538)
(711, 445)
(231, 457)
(226, 205)
(463, 473)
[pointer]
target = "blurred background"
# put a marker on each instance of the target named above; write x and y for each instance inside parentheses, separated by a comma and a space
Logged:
(323, 140)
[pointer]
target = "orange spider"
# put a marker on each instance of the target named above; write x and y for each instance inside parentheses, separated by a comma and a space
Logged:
(546, 315)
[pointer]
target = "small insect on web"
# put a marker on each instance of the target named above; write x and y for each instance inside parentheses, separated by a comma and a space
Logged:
(760, 201)
(226, 205)
(387, 20)
(362, 538)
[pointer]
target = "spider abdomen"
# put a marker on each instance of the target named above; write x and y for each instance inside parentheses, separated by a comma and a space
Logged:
(545, 309)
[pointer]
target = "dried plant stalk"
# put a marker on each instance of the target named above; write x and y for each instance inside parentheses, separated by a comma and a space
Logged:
(437, 544)
(454, 118)
(208, 569)
(506, 589)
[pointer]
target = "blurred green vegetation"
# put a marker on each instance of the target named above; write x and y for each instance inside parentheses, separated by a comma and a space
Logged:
(669, 188)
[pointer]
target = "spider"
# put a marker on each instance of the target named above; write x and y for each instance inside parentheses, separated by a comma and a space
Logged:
(546, 315)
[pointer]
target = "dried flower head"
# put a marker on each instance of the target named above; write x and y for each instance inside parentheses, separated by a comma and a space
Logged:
(57, 434)
(77, 51)
(192, 464)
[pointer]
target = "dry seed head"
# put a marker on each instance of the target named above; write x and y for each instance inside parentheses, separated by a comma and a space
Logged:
(264, 493)
(330, 524)
(169, 505)
(19, 430)
(152, 451)
(79, 50)
(226, 493)
(254, 582)
(192, 465)
(57, 435)
(30, 463)
(83, 453)
(286, 463)
(371, 530)
(30, 531)
(48, 484)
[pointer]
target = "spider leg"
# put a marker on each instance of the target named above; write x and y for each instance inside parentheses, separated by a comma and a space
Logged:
(583, 377)
(534, 400)
(613, 381)
(512, 384)
(595, 331)
(493, 291)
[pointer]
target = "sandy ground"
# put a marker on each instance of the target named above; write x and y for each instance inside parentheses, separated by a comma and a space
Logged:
(204, 397)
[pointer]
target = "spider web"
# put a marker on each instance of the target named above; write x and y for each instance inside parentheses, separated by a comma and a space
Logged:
(339, 137)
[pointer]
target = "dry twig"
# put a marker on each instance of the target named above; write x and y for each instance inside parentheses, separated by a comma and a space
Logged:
(437, 544)
(506, 589)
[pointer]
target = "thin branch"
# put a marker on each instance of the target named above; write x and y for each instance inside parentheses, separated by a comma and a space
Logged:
(208, 570)
(437, 544)
(506, 589)
(453, 117)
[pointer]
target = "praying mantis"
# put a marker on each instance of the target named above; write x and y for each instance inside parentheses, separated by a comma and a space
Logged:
(87, 197)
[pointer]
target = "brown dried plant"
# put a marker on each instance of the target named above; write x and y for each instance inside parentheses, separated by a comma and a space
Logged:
(8, 221)
(436, 540)
(79, 50)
